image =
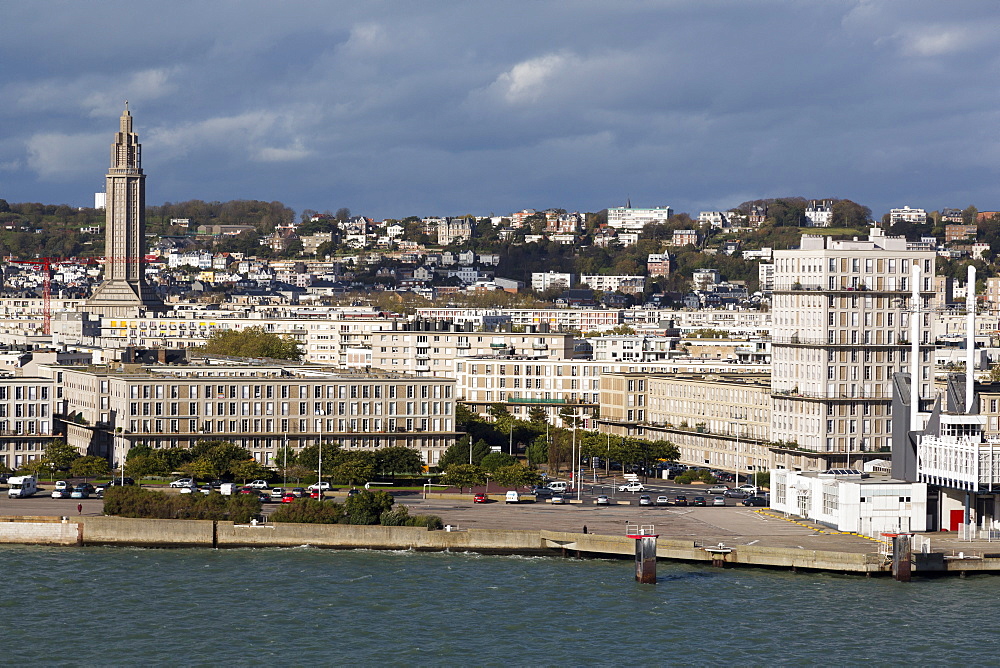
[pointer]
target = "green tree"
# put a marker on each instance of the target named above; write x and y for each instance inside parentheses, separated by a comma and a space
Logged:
(60, 455)
(459, 452)
(309, 456)
(537, 414)
(516, 475)
(252, 342)
(367, 507)
(249, 469)
(538, 451)
(463, 475)
(496, 460)
(354, 469)
(90, 466)
(144, 465)
(397, 459)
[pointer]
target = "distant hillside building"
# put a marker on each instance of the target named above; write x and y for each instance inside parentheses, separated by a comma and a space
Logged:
(819, 213)
(627, 218)
(907, 215)
(630, 285)
(541, 281)
(658, 264)
(960, 232)
(455, 230)
(685, 238)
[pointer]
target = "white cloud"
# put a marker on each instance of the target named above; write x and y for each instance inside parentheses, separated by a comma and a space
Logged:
(528, 81)
(928, 41)
(294, 152)
(56, 156)
(98, 95)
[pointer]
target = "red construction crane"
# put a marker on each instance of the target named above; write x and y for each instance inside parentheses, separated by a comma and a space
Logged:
(46, 264)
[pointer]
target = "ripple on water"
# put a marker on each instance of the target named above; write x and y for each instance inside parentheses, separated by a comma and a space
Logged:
(304, 605)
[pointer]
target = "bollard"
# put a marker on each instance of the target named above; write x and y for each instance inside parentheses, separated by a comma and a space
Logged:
(645, 558)
(901, 557)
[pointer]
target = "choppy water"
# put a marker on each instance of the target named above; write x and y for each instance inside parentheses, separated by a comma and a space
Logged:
(292, 607)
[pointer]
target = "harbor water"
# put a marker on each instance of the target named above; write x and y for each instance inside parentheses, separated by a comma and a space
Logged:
(305, 606)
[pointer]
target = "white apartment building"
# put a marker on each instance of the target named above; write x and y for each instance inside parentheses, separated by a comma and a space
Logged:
(716, 219)
(455, 230)
(627, 218)
(907, 215)
(627, 284)
(543, 280)
(27, 405)
(841, 329)
(639, 348)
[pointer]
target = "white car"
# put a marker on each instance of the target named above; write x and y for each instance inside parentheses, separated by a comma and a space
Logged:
(193, 489)
(259, 484)
(632, 487)
(182, 482)
(316, 485)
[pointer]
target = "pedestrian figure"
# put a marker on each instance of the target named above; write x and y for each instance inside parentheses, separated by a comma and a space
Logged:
(584, 528)
(79, 511)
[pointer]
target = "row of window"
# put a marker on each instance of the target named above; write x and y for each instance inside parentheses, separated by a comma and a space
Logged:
(332, 391)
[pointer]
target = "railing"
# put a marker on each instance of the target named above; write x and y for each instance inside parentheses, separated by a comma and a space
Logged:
(820, 287)
(874, 393)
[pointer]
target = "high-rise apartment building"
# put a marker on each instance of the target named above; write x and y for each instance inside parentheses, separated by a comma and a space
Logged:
(842, 314)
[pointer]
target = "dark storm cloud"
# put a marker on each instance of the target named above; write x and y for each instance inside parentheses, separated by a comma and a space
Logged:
(401, 108)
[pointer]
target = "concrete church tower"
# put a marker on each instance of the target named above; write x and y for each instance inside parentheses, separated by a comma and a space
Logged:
(124, 292)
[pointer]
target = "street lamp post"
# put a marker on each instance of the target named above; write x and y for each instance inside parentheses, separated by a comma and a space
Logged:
(319, 471)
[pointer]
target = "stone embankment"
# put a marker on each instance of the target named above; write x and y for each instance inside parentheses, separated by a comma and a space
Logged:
(100, 530)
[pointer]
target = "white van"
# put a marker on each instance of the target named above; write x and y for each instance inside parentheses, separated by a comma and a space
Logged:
(228, 488)
(21, 486)
(512, 497)
(559, 486)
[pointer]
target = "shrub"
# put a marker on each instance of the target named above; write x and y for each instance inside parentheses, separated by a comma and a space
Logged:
(144, 503)
(430, 521)
(367, 507)
(309, 511)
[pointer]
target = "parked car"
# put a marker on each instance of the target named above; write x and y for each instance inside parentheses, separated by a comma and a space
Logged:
(662, 501)
(736, 494)
(79, 494)
(277, 493)
(719, 501)
(758, 501)
(63, 493)
(247, 489)
(259, 484)
(182, 482)
(354, 491)
(717, 489)
(117, 482)
(194, 488)
(699, 501)
(216, 484)
(602, 500)
(288, 497)
(749, 489)
(645, 500)
(680, 500)
(316, 485)
(513, 496)
(86, 486)
(298, 492)
(558, 499)
(480, 498)
(62, 484)
(542, 493)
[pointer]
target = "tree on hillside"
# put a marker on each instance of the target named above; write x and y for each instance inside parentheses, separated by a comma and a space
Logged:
(252, 342)
(851, 214)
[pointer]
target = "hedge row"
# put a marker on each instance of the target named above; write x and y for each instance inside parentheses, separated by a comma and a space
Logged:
(137, 502)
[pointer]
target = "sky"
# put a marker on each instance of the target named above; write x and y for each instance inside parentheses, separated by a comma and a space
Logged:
(427, 107)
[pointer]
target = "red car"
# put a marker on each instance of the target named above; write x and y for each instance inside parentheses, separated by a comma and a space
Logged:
(288, 497)
(480, 498)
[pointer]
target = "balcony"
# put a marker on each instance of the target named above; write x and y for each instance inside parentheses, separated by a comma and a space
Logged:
(540, 346)
(463, 344)
(497, 346)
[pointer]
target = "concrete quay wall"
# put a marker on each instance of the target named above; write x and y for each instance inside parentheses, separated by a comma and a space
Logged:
(39, 531)
(100, 530)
